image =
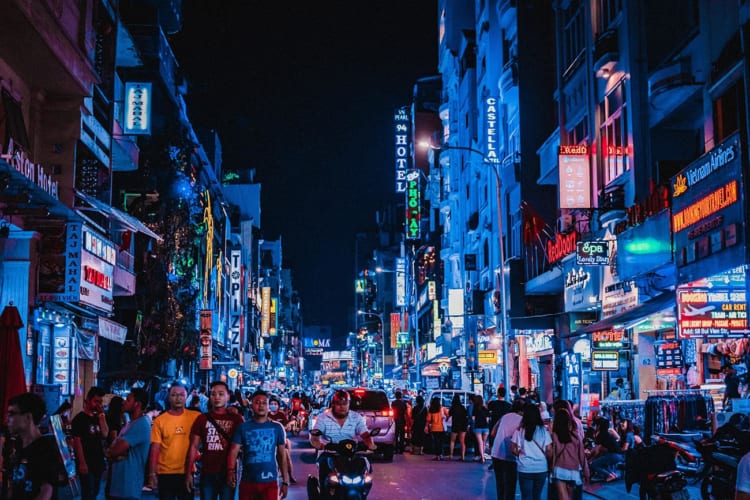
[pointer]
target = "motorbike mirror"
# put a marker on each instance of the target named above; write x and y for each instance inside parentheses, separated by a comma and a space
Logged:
(316, 432)
(375, 431)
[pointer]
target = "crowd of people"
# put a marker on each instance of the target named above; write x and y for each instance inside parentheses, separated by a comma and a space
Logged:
(128, 448)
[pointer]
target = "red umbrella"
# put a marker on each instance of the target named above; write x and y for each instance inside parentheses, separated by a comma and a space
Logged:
(11, 361)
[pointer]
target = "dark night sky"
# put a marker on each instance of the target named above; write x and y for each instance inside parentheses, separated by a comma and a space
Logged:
(304, 93)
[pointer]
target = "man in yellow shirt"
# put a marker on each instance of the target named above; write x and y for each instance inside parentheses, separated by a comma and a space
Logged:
(170, 441)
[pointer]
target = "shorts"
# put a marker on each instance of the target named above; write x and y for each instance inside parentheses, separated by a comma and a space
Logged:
(259, 491)
(482, 431)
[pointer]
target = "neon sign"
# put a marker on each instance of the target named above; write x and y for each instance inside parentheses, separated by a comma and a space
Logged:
(137, 108)
(490, 118)
(708, 205)
(413, 207)
(562, 245)
(403, 157)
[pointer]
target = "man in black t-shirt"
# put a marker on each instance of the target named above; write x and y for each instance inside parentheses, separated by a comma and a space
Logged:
(399, 419)
(498, 407)
(35, 461)
(89, 429)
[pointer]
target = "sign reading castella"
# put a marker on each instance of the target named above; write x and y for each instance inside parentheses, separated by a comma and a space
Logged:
(490, 119)
(562, 245)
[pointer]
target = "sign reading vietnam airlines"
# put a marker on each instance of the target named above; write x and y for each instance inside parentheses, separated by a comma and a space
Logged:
(413, 206)
(708, 213)
(402, 122)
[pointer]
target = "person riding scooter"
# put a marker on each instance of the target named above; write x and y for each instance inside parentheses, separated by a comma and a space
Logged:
(337, 424)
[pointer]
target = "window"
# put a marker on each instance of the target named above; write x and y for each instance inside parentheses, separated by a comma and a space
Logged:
(574, 29)
(729, 112)
(614, 133)
(11, 122)
(608, 11)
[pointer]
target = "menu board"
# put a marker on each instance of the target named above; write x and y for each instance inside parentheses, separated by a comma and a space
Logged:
(605, 360)
(62, 349)
(668, 357)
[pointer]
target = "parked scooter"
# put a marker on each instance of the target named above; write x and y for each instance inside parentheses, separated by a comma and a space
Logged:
(688, 460)
(720, 475)
(655, 470)
(350, 475)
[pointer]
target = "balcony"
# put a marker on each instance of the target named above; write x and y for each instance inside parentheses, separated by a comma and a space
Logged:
(548, 158)
(509, 77)
(669, 87)
(606, 53)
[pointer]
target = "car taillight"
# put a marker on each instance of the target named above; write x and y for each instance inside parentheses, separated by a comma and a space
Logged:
(390, 413)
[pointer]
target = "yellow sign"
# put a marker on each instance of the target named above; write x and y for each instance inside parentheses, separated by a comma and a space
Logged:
(233, 373)
(488, 357)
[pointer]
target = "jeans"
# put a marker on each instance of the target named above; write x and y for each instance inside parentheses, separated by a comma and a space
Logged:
(90, 484)
(531, 484)
(215, 486)
(400, 437)
(605, 465)
(505, 478)
(172, 486)
(437, 442)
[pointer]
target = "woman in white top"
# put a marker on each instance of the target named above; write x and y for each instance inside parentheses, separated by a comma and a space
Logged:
(532, 444)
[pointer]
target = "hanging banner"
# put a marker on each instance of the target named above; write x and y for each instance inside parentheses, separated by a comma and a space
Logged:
(112, 331)
(205, 355)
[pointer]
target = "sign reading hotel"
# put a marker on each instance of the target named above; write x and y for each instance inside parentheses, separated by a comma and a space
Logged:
(707, 213)
(608, 339)
(575, 177)
(413, 206)
(34, 172)
(490, 128)
(402, 123)
(713, 312)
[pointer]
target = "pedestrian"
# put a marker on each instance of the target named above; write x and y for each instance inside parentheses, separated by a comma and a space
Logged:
(569, 465)
(90, 431)
(419, 421)
(213, 432)
(195, 403)
(170, 441)
(459, 424)
(742, 484)
(731, 386)
(434, 426)
(276, 414)
(532, 444)
(607, 452)
(498, 407)
(262, 443)
(399, 420)
(34, 460)
(481, 426)
(564, 404)
(128, 454)
(503, 460)
(627, 435)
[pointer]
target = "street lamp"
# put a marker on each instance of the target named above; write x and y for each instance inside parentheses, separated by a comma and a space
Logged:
(382, 338)
(498, 189)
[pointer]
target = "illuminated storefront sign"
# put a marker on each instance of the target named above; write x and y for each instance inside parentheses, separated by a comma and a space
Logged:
(235, 303)
(400, 281)
(713, 312)
(490, 121)
(205, 354)
(612, 339)
(413, 206)
(265, 318)
(98, 260)
(708, 213)
(395, 328)
(668, 358)
(574, 182)
(592, 253)
(563, 244)
(18, 159)
(488, 357)
(402, 123)
(605, 360)
(137, 108)
(273, 327)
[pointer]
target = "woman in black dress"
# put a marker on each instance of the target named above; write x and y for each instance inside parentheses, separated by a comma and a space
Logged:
(459, 423)
(419, 421)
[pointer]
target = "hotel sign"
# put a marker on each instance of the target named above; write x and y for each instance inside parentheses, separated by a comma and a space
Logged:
(490, 120)
(18, 159)
(402, 123)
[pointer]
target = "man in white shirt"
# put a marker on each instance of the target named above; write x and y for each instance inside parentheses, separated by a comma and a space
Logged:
(503, 461)
(742, 487)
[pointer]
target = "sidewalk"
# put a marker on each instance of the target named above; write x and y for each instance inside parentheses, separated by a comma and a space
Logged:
(616, 489)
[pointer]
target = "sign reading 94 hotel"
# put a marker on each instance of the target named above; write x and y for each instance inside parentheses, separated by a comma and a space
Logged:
(707, 213)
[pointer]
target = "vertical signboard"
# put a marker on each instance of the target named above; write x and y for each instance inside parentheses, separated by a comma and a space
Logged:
(59, 273)
(274, 316)
(137, 108)
(402, 123)
(265, 307)
(235, 302)
(205, 356)
(575, 177)
(491, 128)
(413, 206)
(395, 328)
(98, 260)
(400, 282)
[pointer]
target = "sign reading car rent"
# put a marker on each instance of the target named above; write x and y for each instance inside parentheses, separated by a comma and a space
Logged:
(402, 123)
(707, 213)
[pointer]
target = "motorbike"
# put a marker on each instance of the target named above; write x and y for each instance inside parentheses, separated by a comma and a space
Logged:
(689, 460)
(654, 468)
(720, 476)
(350, 475)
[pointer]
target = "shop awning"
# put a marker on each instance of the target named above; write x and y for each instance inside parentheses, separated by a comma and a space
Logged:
(658, 304)
(28, 197)
(118, 215)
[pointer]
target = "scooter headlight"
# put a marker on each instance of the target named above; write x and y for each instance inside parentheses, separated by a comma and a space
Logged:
(333, 478)
(368, 479)
(351, 480)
